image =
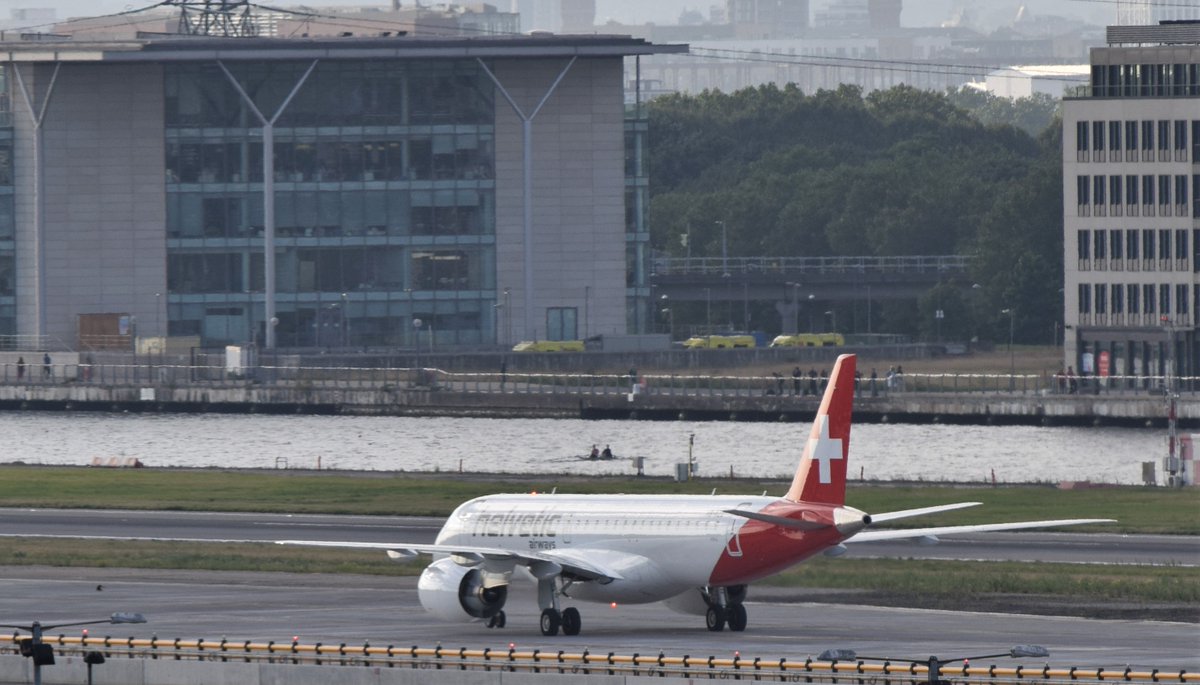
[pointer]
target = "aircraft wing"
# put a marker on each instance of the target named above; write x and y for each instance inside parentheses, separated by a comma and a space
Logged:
(873, 535)
(550, 562)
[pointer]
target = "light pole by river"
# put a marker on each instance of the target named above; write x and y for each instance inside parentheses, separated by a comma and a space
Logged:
(1012, 359)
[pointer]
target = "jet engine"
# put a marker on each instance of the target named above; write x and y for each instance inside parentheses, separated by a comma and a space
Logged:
(457, 593)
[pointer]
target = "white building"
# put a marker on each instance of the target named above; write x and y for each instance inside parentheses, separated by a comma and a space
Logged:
(1131, 196)
(1024, 81)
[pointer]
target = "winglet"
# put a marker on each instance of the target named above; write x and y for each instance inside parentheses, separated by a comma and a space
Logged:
(821, 476)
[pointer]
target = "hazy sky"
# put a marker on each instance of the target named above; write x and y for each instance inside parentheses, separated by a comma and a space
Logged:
(916, 12)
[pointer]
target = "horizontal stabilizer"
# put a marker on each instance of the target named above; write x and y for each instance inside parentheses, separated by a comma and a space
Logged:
(778, 520)
(874, 535)
(909, 513)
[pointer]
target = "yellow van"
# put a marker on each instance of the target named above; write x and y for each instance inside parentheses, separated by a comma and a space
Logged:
(718, 342)
(809, 340)
(549, 346)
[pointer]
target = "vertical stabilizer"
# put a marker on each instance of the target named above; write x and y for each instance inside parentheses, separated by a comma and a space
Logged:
(821, 476)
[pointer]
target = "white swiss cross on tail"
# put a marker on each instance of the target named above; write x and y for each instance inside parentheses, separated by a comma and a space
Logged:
(828, 444)
(823, 449)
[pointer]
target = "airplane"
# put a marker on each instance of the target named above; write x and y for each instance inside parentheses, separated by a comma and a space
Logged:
(695, 553)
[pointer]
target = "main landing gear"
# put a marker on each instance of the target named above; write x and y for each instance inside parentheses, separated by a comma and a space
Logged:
(497, 621)
(569, 620)
(725, 607)
(552, 618)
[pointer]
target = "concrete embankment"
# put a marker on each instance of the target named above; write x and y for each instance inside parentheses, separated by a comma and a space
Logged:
(555, 401)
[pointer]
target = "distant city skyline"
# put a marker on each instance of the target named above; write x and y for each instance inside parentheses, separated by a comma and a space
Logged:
(916, 12)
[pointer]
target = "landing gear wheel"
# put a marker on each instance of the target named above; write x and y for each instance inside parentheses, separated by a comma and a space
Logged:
(550, 622)
(497, 621)
(715, 618)
(571, 621)
(737, 617)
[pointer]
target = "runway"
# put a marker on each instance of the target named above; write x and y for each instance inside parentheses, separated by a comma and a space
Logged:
(1103, 548)
(384, 610)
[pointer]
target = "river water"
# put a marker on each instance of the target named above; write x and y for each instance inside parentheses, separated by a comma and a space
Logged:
(877, 451)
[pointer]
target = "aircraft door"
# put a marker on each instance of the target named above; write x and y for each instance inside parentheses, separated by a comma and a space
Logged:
(733, 545)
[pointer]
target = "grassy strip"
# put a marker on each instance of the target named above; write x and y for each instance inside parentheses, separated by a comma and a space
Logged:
(932, 577)
(1138, 509)
(901, 576)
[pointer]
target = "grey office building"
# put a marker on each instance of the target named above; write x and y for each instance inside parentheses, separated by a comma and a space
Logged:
(490, 188)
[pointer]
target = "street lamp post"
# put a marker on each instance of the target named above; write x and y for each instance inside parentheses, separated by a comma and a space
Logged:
(811, 297)
(43, 654)
(724, 249)
(345, 320)
(1012, 360)
(669, 311)
(832, 320)
(508, 317)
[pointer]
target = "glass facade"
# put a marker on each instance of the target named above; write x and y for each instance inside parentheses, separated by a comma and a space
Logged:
(639, 309)
(8, 275)
(384, 203)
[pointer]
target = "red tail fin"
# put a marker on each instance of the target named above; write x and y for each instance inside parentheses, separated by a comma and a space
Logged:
(821, 476)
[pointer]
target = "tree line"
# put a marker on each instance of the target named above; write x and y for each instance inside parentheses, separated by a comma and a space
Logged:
(889, 173)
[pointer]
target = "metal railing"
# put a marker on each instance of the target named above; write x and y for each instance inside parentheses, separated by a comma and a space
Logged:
(585, 662)
(667, 266)
(401, 378)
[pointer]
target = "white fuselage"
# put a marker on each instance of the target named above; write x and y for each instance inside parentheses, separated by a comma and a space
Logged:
(660, 546)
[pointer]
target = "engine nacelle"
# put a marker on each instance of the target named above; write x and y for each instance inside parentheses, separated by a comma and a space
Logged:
(458, 593)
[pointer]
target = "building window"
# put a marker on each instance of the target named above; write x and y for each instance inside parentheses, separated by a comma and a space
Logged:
(1114, 140)
(1115, 193)
(1083, 191)
(1131, 141)
(1164, 140)
(1131, 297)
(1147, 141)
(1101, 298)
(1116, 245)
(1085, 298)
(1181, 195)
(1196, 250)
(1081, 141)
(1098, 140)
(1118, 298)
(1148, 195)
(1098, 183)
(1148, 248)
(1100, 251)
(1196, 195)
(1084, 246)
(1148, 298)
(562, 323)
(1181, 249)
(1131, 194)
(1164, 299)
(1181, 141)
(1181, 299)
(1164, 248)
